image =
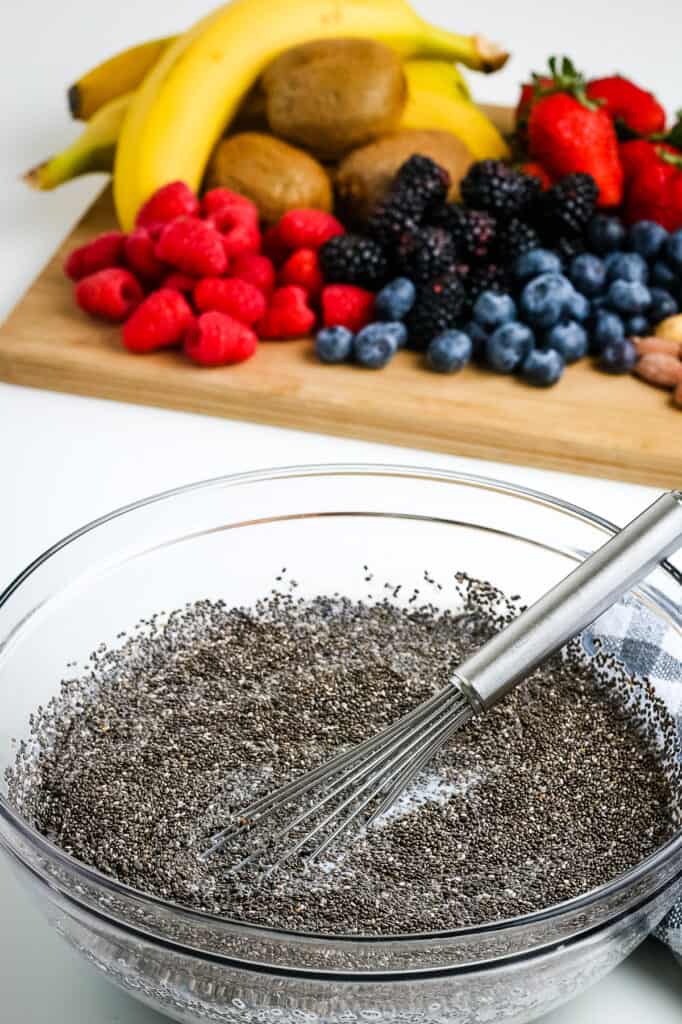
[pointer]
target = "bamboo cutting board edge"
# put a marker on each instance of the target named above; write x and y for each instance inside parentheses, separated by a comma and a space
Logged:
(606, 427)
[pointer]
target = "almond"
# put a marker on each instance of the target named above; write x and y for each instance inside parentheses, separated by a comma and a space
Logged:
(664, 345)
(678, 395)
(670, 328)
(660, 369)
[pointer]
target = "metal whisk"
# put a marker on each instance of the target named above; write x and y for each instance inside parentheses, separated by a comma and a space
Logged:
(358, 786)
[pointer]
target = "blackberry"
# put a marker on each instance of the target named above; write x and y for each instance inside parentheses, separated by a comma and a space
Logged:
(424, 181)
(437, 308)
(490, 277)
(473, 231)
(566, 208)
(391, 219)
(352, 259)
(425, 254)
(497, 188)
(514, 238)
(569, 247)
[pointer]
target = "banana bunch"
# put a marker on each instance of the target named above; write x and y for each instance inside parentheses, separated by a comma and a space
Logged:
(156, 111)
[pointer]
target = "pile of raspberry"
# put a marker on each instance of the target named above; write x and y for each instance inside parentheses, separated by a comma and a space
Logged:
(200, 274)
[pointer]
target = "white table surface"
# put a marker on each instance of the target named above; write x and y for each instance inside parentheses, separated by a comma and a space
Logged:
(64, 460)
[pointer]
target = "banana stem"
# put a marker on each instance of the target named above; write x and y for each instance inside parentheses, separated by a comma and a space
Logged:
(68, 164)
(476, 52)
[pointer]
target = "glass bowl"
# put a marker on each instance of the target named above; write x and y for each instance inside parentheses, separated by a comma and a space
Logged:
(229, 539)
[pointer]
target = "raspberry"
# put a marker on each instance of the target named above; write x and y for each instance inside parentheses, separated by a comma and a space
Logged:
(352, 259)
(158, 322)
(216, 339)
(170, 201)
(104, 251)
(193, 247)
(307, 229)
(288, 316)
(140, 256)
(239, 299)
(240, 239)
(227, 208)
(254, 268)
(112, 293)
(303, 268)
(345, 305)
(273, 246)
(181, 282)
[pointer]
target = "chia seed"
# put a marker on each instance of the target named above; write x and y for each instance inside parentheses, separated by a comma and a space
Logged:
(567, 783)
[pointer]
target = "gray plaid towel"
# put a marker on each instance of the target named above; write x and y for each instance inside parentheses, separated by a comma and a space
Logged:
(644, 645)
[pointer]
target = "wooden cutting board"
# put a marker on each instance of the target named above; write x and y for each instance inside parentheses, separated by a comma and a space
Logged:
(589, 423)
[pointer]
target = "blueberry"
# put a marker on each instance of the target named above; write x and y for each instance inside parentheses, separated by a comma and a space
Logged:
(544, 299)
(569, 339)
(334, 344)
(607, 327)
(672, 250)
(375, 345)
(598, 302)
(605, 234)
(619, 356)
(578, 307)
(508, 346)
(493, 308)
(479, 340)
(664, 276)
(449, 351)
(396, 299)
(637, 325)
(588, 273)
(534, 262)
(629, 296)
(542, 368)
(662, 305)
(627, 266)
(646, 237)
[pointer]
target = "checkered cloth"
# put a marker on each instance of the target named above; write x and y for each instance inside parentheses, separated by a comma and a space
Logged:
(647, 648)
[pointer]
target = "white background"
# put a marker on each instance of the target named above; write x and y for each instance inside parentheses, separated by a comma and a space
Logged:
(64, 460)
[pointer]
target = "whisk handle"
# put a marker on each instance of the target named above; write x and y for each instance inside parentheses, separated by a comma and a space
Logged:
(575, 602)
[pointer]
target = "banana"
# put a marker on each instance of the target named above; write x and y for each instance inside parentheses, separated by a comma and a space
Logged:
(93, 150)
(435, 102)
(116, 76)
(192, 92)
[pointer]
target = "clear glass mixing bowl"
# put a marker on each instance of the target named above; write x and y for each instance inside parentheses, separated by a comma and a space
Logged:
(229, 538)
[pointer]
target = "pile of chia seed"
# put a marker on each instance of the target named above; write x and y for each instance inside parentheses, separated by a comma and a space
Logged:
(147, 752)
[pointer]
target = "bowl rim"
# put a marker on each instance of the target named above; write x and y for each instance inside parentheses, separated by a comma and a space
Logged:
(574, 905)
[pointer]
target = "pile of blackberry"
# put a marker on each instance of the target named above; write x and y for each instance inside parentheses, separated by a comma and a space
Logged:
(453, 252)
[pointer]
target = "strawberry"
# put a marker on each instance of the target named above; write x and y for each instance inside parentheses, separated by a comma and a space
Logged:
(634, 110)
(569, 133)
(529, 93)
(654, 190)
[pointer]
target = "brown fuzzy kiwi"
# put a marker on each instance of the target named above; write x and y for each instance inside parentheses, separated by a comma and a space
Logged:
(332, 95)
(364, 176)
(276, 176)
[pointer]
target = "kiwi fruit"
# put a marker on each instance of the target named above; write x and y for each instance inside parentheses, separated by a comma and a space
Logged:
(364, 176)
(331, 95)
(276, 176)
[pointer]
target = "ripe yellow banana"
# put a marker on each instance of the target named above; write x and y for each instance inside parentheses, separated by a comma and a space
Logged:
(189, 96)
(120, 74)
(93, 150)
(435, 102)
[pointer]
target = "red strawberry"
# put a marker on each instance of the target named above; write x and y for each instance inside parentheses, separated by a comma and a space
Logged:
(655, 190)
(636, 109)
(529, 92)
(567, 136)
(640, 153)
